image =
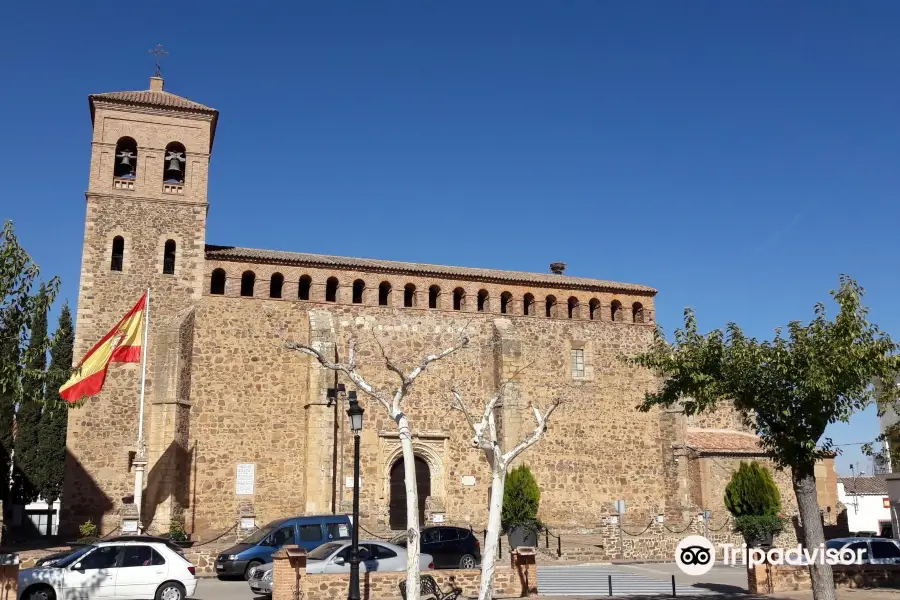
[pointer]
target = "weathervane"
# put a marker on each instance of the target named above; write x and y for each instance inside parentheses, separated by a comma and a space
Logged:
(160, 52)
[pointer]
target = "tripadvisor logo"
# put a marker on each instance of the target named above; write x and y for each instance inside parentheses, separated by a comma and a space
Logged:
(695, 555)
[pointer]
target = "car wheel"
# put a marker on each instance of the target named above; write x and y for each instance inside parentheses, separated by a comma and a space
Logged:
(40, 592)
(467, 562)
(250, 566)
(170, 591)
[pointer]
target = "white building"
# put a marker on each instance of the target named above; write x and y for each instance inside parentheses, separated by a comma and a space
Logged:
(868, 506)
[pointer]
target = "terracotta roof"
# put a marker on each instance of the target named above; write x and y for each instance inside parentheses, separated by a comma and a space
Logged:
(864, 485)
(153, 98)
(390, 266)
(722, 440)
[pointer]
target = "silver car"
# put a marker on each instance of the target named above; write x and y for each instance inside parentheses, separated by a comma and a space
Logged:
(876, 551)
(334, 557)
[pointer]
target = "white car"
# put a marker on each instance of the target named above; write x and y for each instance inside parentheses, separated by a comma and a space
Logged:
(334, 557)
(118, 570)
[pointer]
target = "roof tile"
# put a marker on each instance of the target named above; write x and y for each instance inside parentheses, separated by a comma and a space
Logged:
(153, 98)
(711, 440)
(862, 485)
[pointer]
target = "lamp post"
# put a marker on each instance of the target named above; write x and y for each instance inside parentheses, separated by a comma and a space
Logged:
(355, 412)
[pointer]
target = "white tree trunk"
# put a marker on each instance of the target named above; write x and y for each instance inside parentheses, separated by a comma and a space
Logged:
(412, 510)
(489, 556)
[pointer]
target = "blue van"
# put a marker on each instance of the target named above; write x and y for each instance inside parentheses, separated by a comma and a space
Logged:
(307, 532)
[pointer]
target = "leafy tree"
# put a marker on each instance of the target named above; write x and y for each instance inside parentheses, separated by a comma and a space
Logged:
(56, 410)
(27, 462)
(788, 389)
(521, 499)
(752, 491)
(8, 355)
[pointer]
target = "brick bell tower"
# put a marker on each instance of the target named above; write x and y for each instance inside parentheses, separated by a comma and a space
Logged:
(145, 227)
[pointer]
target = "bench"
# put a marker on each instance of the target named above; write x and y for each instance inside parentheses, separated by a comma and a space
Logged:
(430, 588)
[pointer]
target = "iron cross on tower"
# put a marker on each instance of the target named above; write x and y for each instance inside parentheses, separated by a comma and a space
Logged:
(160, 52)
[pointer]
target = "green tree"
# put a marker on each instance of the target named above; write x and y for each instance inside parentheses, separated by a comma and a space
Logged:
(27, 461)
(752, 491)
(8, 355)
(789, 389)
(521, 499)
(56, 410)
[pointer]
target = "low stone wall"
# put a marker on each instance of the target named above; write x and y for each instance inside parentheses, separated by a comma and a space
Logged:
(774, 579)
(9, 576)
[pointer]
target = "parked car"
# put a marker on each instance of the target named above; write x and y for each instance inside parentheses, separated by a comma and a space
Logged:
(334, 557)
(307, 532)
(877, 551)
(451, 547)
(117, 570)
(51, 559)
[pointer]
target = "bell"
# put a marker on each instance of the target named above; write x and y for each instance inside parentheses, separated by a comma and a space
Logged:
(175, 159)
(126, 156)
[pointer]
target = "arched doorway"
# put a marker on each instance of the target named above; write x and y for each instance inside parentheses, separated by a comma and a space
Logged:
(398, 491)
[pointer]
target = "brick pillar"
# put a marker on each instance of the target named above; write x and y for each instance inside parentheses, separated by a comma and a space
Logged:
(759, 579)
(289, 568)
(514, 415)
(320, 419)
(9, 576)
(525, 568)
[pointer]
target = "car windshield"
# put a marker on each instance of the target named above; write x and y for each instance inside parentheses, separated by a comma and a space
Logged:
(70, 559)
(835, 544)
(258, 535)
(324, 551)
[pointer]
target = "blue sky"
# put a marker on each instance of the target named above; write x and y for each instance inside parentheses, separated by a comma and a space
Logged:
(737, 156)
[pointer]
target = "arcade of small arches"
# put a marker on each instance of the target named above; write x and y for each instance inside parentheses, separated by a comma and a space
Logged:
(571, 308)
(117, 256)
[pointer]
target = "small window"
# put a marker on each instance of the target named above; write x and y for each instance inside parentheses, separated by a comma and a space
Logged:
(594, 306)
(359, 286)
(118, 253)
(141, 556)
(379, 552)
(384, 293)
(275, 285)
(248, 282)
(431, 536)
(459, 297)
(169, 258)
(101, 558)
(550, 306)
(217, 282)
(577, 362)
(409, 295)
(855, 546)
(303, 287)
(505, 303)
(615, 311)
(573, 307)
(449, 534)
(310, 533)
(337, 531)
(482, 300)
(885, 550)
(331, 288)
(637, 313)
(434, 295)
(528, 304)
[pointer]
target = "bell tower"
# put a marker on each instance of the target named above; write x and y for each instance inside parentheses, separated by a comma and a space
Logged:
(145, 227)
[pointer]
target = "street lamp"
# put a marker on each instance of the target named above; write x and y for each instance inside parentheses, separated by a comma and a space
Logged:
(355, 412)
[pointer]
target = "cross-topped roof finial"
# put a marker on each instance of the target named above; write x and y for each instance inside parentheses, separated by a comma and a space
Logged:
(160, 52)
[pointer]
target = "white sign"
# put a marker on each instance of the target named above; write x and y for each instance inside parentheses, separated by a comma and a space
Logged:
(248, 523)
(244, 479)
(349, 482)
(620, 507)
(437, 518)
(468, 480)
(129, 526)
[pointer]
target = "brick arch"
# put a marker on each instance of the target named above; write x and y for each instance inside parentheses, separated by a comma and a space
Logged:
(432, 458)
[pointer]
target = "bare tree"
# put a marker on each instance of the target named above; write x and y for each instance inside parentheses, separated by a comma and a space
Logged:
(486, 437)
(392, 402)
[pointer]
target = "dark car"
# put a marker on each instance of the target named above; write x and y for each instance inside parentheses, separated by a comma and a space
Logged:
(51, 559)
(451, 547)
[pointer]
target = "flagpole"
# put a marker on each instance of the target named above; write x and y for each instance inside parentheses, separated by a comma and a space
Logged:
(140, 462)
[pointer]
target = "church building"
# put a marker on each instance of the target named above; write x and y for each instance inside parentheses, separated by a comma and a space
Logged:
(239, 427)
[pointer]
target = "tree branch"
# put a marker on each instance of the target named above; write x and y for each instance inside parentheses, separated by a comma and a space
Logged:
(539, 429)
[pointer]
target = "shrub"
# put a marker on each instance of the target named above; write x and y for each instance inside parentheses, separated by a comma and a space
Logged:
(88, 530)
(521, 499)
(752, 491)
(176, 530)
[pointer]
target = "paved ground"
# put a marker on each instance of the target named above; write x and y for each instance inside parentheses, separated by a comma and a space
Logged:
(722, 579)
(612, 580)
(213, 589)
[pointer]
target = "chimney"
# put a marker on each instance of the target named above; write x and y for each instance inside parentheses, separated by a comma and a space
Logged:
(558, 268)
(156, 84)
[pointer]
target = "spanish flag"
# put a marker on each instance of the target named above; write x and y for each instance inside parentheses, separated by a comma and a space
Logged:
(122, 344)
